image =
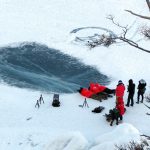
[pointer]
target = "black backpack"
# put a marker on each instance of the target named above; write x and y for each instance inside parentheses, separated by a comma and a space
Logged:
(56, 102)
(98, 109)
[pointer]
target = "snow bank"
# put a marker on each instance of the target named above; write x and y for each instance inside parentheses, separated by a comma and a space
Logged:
(70, 141)
(122, 134)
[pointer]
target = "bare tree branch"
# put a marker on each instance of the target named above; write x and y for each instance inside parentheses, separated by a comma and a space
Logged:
(147, 106)
(148, 4)
(123, 35)
(135, 14)
(124, 28)
(145, 136)
(141, 16)
(110, 17)
(132, 43)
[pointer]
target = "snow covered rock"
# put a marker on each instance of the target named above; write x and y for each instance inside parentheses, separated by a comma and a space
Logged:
(122, 134)
(70, 141)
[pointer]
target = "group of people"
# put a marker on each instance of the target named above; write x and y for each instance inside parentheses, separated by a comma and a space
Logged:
(131, 90)
(94, 91)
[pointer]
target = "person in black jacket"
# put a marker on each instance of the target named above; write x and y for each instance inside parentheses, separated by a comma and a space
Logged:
(141, 90)
(131, 90)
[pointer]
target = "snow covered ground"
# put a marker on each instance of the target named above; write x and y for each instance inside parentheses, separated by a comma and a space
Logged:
(22, 126)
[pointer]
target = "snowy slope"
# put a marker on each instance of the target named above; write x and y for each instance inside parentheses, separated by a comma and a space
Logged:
(70, 127)
(25, 127)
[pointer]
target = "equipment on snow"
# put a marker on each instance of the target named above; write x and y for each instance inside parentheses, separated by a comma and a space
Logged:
(98, 109)
(56, 102)
(85, 104)
(37, 104)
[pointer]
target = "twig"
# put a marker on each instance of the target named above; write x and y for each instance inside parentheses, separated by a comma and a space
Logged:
(135, 14)
(148, 4)
(145, 136)
(123, 35)
(147, 106)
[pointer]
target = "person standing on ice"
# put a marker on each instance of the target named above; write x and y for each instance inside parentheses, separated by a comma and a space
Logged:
(131, 90)
(119, 98)
(120, 91)
(141, 90)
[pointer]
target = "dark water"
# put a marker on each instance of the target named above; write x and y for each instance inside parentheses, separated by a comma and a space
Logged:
(38, 67)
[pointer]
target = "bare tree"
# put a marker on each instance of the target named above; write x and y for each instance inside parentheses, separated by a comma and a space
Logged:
(123, 36)
(145, 30)
(132, 145)
(138, 15)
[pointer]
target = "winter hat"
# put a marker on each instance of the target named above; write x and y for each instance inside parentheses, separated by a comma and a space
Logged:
(120, 82)
(130, 81)
(142, 81)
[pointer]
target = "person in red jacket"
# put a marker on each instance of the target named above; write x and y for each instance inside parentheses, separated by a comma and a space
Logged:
(96, 91)
(98, 88)
(120, 89)
(120, 107)
(119, 98)
(85, 92)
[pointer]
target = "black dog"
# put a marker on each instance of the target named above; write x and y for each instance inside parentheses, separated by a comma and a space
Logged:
(113, 115)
